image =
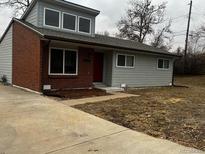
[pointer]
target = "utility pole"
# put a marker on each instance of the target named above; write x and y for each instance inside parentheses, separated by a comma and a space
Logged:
(187, 37)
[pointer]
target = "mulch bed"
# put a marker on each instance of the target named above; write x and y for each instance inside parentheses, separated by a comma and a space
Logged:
(76, 93)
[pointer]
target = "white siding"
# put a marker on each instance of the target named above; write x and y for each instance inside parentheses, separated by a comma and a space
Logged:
(33, 15)
(145, 72)
(6, 56)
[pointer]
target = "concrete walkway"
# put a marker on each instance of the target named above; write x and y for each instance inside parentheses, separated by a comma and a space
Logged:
(33, 124)
(97, 99)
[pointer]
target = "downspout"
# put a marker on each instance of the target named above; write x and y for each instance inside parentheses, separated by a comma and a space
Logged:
(173, 72)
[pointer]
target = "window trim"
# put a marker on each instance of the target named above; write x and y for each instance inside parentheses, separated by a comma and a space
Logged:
(131, 67)
(163, 69)
(79, 24)
(76, 21)
(44, 18)
(62, 74)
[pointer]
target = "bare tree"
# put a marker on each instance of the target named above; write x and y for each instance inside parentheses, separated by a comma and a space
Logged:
(19, 6)
(163, 37)
(197, 40)
(140, 20)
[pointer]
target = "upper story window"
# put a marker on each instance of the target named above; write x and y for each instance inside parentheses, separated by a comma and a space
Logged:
(163, 64)
(66, 21)
(84, 25)
(69, 21)
(125, 60)
(51, 18)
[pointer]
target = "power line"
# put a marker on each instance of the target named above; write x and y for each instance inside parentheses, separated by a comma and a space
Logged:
(175, 18)
(179, 35)
(180, 31)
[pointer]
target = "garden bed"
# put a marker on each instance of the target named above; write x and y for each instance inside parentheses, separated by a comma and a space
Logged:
(76, 93)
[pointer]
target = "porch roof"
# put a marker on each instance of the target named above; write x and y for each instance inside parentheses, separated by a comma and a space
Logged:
(97, 40)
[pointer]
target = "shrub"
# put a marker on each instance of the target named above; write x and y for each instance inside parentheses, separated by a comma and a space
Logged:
(4, 79)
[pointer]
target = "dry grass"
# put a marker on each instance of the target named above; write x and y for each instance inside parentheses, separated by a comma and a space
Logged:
(173, 113)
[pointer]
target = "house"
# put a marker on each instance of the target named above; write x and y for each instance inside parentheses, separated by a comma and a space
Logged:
(54, 46)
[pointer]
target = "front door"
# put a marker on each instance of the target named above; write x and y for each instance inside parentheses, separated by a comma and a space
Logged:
(98, 67)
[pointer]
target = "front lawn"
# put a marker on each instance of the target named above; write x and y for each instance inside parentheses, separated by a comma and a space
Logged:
(173, 113)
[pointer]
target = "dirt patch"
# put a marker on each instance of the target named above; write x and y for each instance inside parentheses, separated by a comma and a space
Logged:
(76, 94)
(173, 113)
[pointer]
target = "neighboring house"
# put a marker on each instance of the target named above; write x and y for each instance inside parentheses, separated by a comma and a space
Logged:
(54, 45)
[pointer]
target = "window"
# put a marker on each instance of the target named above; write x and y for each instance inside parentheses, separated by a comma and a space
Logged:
(70, 62)
(69, 21)
(56, 61)
(163, 64)
(84, 25)
(125, 60)
(51, 18)
(130, 61)
(121, 60)
(63, 62)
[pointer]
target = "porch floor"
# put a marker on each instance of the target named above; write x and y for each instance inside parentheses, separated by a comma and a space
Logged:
(108, 89)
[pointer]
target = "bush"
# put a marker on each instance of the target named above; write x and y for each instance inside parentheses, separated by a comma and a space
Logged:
(4, 79)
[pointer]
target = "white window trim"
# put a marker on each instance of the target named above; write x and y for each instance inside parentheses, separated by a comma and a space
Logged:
(76, 22)
(163, 69)
(44, 18)
(79, 24)
(125, 61)
(62, 74)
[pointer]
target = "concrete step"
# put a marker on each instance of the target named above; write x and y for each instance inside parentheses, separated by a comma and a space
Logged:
(107, 89)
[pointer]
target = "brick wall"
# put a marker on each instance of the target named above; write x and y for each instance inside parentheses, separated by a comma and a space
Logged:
(26, 58)
(84, 78)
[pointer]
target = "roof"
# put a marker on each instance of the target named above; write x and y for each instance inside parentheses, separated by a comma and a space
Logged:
(98, 40)
(64, 3)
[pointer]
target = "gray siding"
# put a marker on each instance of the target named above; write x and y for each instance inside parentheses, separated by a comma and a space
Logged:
(6, 56)
(145, 72)
(33, 15)
(43, 5)
(107, 69)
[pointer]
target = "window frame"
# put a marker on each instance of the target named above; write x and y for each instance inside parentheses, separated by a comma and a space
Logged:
(76, 21)
(44, 18)
(79, 24)
(126, 55)
(62, 74)
(164, 69)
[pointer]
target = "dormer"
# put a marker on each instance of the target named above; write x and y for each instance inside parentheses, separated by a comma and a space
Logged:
(61, 15)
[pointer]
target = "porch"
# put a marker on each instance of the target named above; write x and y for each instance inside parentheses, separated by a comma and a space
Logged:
(68, 65)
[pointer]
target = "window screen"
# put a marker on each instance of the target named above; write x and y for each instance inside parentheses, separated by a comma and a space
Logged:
(69, 21)
(121, 60)
(163, 64)
(84, 25)
(166, 64)
(130, 61)
(70, 62)
(51, 18)
(56, 61)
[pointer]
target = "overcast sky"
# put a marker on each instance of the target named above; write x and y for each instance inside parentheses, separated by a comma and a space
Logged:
(112, 10)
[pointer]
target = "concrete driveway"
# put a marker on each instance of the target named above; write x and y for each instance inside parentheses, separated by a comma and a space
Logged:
(33, 124)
